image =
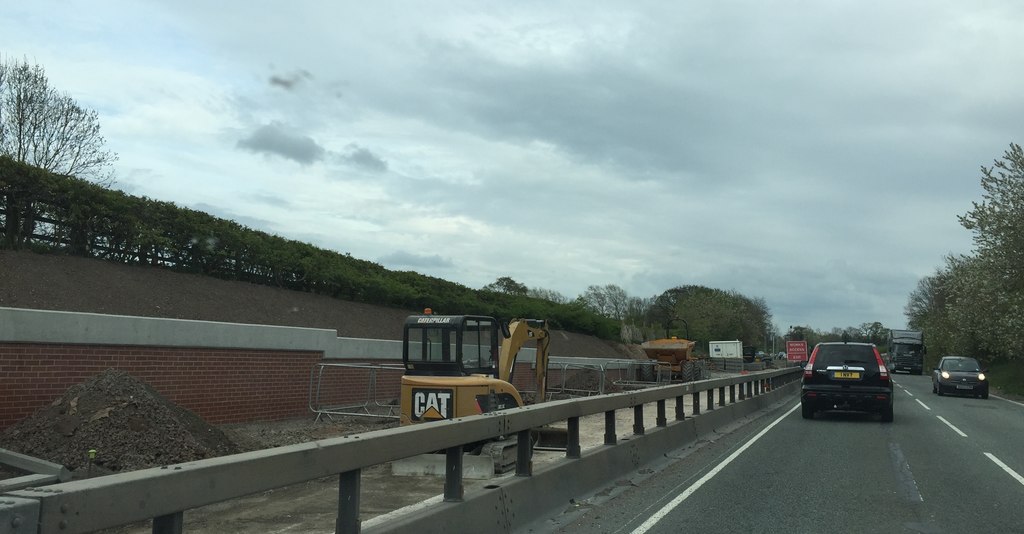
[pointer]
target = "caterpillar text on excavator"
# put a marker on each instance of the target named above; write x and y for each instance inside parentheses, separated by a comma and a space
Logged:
(462, 365)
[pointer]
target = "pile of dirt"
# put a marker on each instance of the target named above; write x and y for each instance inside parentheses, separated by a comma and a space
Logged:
(127, 423)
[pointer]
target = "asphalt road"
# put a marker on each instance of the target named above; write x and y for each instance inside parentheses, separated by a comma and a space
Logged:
(946, 464)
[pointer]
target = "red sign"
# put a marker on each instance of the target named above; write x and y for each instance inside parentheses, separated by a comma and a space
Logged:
(796, 351)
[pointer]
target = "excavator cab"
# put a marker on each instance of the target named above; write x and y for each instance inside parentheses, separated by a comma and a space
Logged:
(450, 345)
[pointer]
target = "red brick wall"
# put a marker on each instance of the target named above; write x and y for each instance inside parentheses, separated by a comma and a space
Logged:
(220, 385)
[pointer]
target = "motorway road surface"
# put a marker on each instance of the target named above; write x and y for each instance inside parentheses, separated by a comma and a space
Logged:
(946, 464)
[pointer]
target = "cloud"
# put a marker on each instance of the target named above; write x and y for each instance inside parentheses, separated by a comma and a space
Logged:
(274, 139)
(408, 259)
(362, 158)
(290, 81)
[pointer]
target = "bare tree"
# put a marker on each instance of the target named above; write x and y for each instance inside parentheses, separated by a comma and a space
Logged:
(44, 127)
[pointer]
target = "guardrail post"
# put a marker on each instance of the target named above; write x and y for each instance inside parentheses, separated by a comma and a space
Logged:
(524, 463)
(680, 407)
(638, 419)
(662, 420)
(453, 474)
(348, 503)
(696, 403)
(732, 393)
(721, 396)
(572, 446)
(610, 438)
(169, 524)
(743, 390)
(711, 399)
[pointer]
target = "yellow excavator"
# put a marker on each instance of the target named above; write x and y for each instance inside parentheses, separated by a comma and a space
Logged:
(462, 365)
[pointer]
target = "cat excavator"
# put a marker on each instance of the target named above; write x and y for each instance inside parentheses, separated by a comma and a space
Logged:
(462, 365)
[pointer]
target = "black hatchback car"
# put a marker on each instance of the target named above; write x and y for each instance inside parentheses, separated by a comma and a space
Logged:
(846, 376)
(961, 375)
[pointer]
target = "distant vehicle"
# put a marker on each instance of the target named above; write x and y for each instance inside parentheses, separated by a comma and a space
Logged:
(907, 350)
(960, 375)
(846, 376)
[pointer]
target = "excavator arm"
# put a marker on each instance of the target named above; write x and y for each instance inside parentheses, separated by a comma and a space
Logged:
(520, 331)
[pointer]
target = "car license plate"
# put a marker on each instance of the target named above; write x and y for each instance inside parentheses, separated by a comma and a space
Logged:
(959, 386)
(847, 375)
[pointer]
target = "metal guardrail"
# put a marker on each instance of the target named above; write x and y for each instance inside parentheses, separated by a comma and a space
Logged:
(371, 405)
(164, 493)
(37, 472)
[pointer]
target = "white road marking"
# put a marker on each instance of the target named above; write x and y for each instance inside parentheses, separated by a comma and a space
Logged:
(950, 425)
(1008, 400)
(923, 404)
(1005, 467)
(908, 392)
(660, 514)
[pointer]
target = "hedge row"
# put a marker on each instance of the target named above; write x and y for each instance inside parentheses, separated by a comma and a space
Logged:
(46, 212)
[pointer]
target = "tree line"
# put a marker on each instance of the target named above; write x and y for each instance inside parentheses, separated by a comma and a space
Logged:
(973, 304)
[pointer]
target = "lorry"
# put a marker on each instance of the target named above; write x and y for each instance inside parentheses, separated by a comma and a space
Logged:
(907, 350)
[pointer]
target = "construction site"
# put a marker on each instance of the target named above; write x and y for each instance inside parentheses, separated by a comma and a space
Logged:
(90, 395)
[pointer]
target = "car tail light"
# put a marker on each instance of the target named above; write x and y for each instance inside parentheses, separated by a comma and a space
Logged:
(883, 371)
(809, 368)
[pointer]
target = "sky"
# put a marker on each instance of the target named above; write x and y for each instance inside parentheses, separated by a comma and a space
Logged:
(813, 154)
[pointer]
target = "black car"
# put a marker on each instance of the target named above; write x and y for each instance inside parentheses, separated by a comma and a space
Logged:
(846, 376)
(960, 375)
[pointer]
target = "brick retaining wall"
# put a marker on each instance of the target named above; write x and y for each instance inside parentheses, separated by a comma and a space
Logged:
(219, 385)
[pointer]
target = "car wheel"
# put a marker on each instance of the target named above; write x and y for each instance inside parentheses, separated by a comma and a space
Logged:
(939, 390)
(933, 388)
(807, 411)
(985, 394)
(887, 414)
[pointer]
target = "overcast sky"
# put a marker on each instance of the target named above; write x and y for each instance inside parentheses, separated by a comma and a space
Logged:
(814, 153)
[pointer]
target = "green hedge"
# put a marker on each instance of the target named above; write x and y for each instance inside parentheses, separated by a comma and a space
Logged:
(46, 212)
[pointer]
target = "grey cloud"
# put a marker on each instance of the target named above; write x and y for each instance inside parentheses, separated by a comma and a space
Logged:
(290, 81)
(362, 158)
(408, 259)
(274, 139)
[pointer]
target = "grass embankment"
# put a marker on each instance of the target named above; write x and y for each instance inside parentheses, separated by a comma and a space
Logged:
(1008, 376)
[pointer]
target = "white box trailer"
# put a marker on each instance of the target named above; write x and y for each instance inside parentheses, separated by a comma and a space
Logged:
(725, 349)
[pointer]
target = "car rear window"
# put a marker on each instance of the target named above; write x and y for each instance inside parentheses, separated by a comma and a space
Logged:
(861, 355)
